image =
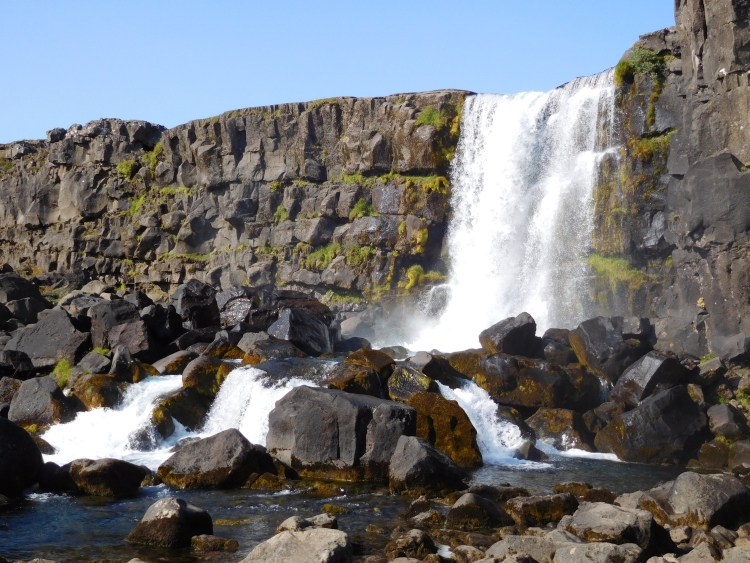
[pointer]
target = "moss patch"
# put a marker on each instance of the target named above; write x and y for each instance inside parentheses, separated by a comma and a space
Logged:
(361, 209)
(617, 271)
(322, 258)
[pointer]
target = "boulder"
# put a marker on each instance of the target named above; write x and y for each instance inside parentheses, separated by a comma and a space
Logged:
(163, 322)
(726, 421)
(601, 348)
(14, 287)
(174, 363)
(652, 373)
(317, 545)
(414, 543)
(56, 479)
(26, 310)
(51, 339)
(270, 349)
(134, 336)
(541, 550)
(712, 455)
(196, 303)
(223, 461)
(515, 336)
(333, 434)
(473, 512)
(375, 359)
(407, 381)
(97, 390)
(171, 522)
(16, 364)
(446, 426)
(437, 368)
(417, 467)
(664, 428)
(187, 407)
(20, 459)
(94, 362)
(206, 374)
(126, 369)
(9, 386)
(600, 522)
(207, 543)
(307, 332)
(355, 379)
(563, 429)
(107, 315)
(40, 401)
(107, 477)
(599, 553)
(557, 347)
(699, 501)
(540, 510)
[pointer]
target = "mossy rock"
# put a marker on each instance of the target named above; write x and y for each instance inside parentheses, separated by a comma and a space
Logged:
(97, 390)
(406, 381)
(355, 379)
(446, 426)
(205, 374)
(713, 455)
(562, 428)
(187, 407)
(162, 421)
(466, 362)
(224, 350)
(374, 359)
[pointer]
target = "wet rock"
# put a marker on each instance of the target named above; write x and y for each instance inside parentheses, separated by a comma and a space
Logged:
(726, 421)
(162, 322)
(351, 344)
(414, 543)
(541, 550)
(20, 459)
(665, 428)
(417, 467)
(187, 407)
(739, 458)
(562, 428)
(223, 461)
(407, 381)
(171, 522)
(206, 543)
(196, 303)
(40, 401)
(174, 363)
(305, 331)
(467, 554)
(126, 369)
(206, 374)
(600, 522)
(56, 479)
(512, 416)
(270, 349)
(51, 339)
(308, 546)
(249, 339)
(446, 426)
(557, 349)
(97, 390)
(333, 434)
(162, 421)
(428, 518)
(529, 452)
(473, 512)
(107, 477)
(599, 553)
(355, 379)
(540, 510)
(16, 364)
(515, 336)
(652, 373)
(224, 346)
(437, 368)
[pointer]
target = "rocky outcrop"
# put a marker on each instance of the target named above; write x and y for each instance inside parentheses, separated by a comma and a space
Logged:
(20, 460)
(171, 522)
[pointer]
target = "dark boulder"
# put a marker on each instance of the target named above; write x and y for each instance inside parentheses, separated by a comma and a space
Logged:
(437, 368)
(51, 339)
(94, 362)
(375, 359)
(171, 522)
(332, 434)
(126, 369)
(414, 545)
(446, 426)
(207, 543)
(473, 512)
(355, 379)
(97, 390)
(56, 479)
(187, 407)
(206, 374)
(9, 386)
(16, 364)
(223, 461)
(726, 421)
(540, 510)
(564, 429)
(305, 331)
(263, 350)
(515, 336)
(418, 467)
(601, 522)
(557, 347)
(351, 344)
(26, 310)
(107, 477)
(407, 381)
(40, 401)
(174, 363)
(162, 322)
(134, 336)
(652, 373)
(196, 303)
(107, 315)
(20, 459)
(14, 287)
(664, 428)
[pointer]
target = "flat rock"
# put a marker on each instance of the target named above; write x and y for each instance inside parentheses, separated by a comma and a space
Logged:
(598, 553)
(600, 522)
(307, 546)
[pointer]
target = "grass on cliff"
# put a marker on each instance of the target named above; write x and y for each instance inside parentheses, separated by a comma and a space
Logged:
(644, 62)
(61, 373)
(322, 258)
(281, 214)
(616, 271)
(334, 298)
(358, 255)
(415, 275)
(152, 158)
(136, 204)
(645, 148)
(361, 209)
(128, 168)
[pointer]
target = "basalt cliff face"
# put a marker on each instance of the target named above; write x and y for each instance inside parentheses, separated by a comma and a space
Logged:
(341, 197)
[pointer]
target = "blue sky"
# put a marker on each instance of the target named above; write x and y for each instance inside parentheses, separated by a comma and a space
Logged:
(169, 61)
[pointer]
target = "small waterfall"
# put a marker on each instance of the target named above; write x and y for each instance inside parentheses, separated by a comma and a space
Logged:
(523, 178)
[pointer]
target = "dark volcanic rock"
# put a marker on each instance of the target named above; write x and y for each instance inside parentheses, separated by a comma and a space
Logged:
(417, 467)
(355, 379)
(107, 315)
(665, 428)
(40, 401)
(473, 512)
(223, 461)
(94, 363)
(515, 336)
(171, 522)
(107, 477)
(305, 331)
(407, 381)
(20, 459)
(206, 374)
(8, 388)
(187, 407)
(333, 434)
(196, 303)
(540, 510)
(174, 363)
(51, 339)
(97, 390)
(728, 422)
(652, 373)
(562, 428)
(14, 287)
(415, 544)
(26, 310)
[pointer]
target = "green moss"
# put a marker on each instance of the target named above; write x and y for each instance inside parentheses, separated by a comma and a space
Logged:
(274, 186)
(357, 179)
(421, 242)
(301, 183)
(402, 227)
(128, 168)
(431, 116)
(707, 358)
(192, 257)
(6, 164)
(136, 204)
(669, 262)
(61, 373)
(281, 214)
(102, 351)
(322, 102)
(152, 158)
(646, 149)
(616, 271)
(358, 255)
(361, 209)
(322, 258)
(624, 72)
(415, 275)
(172, 192)
(334, 298)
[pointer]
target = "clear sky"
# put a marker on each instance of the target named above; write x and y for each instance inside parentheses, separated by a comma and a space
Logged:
(169, 61)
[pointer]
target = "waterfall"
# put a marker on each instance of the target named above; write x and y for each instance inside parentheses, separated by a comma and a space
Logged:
(522, 185)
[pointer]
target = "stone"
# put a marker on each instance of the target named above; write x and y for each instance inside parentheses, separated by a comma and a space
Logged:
(332, 434)
(107, 315)
(14, 287)
(416, 466)
(652, 373)
(601, 522)
(599, 553)
(318, 545)
(726, 421)
(564, 429)
(9, 386)
(40, 401)
(97, 390)
(473, 512)
(223, 461)
(134, 336)
(187, 407)
(557, 347)
(540, 510)
(171, 522)
(17, 364)
(163, 323)
(271, 349)
(704, 553)
(305, 331)
(708, 372)
(541, 550)
(406, 382)
(51, 339)
(414, 543)
(20, 459)
(446, 426)
(467, 554)
(664, 428)
(94, 362)
(512, 336)
(355, 379)
(207, 543)
(315, 232)
(107, 477)
(249, 339)
(196, 303)
(26, 310)
(174, 364)
(206, 374)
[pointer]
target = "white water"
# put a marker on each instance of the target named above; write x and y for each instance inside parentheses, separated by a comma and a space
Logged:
(522, 182)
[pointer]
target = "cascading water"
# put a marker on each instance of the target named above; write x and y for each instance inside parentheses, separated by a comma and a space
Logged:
(523, 179)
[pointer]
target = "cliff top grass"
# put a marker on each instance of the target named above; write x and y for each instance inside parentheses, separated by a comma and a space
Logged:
(644, 62)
